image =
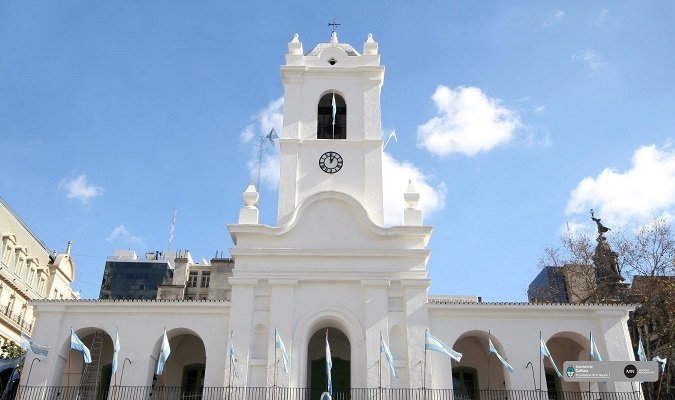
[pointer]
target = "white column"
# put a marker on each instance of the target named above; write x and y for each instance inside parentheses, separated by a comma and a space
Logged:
(281, 318)
(376, 322)
(241, 316)
(417, 320)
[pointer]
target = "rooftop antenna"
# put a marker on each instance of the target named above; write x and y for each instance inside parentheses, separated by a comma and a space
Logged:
(262, 146)
(173, 226)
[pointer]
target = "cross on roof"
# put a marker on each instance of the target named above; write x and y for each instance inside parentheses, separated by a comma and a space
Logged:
(334, 25)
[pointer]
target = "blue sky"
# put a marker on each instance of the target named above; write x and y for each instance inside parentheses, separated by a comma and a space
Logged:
(513, 117)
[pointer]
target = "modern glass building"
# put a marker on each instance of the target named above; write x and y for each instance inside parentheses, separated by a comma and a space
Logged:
(128, 277)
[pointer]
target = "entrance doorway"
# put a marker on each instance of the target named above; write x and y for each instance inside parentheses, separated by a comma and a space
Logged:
(316, 368)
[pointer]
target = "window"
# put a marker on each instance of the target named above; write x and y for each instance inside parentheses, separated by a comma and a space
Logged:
(193, 381)
(192, 279)
(206, 277)
(552, 384)
(331, 123)
(465, 383)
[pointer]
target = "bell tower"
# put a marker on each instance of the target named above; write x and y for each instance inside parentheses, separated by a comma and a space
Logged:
(331, 138)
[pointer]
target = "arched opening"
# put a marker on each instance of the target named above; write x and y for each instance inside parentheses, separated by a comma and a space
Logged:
(479, 369)
(565, 346)
(331, 117)
(316, 363)
(93, 378)
(186, 365)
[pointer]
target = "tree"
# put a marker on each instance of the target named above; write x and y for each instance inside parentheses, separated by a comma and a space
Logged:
(645, 257)
(648, 257)
(11, 350)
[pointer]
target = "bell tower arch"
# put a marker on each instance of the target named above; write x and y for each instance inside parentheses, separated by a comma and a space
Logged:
(331, 138)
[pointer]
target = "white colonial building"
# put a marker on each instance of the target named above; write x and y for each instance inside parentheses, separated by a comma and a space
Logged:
(28, 271)
(328, 266)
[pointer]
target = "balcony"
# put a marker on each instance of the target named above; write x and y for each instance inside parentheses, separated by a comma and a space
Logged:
(16, 320)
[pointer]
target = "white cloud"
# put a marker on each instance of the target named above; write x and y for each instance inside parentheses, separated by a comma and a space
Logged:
(538, 109)
(395, 175)
(645, 190)
(80, 189)
(468, 122)
(602, 17)
(553, 18)
(266, 119)
(122, 235)
(591, 59)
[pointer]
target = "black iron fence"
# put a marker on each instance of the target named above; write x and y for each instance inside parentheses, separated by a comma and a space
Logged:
(268, 393)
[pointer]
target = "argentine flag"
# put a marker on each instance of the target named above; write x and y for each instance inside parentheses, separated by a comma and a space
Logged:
(492, 349)
(334, 105)
(595, 354)
(641, 350)
(329, 366)
(432, 343)
(662, 362)
(116, 351)
(233, 359)
(164, 352)
(76, 344)
(279, 344)
(543, 350)
(34, 348)
(390, 359)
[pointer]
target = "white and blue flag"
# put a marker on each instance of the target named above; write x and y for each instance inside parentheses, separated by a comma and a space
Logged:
(595, 354)
(662, 362)
(233, 359)
(543, 350)
(29, 345)
(271, 136)
(116, 351)
(642, 356)
(432, 343)
(334, 105)
(329, 366)
(492, 349)
(390, 359)
(279, 345)
(164, 352)
(76, 344)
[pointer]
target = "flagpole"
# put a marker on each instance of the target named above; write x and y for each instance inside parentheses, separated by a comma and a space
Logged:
(379, 363)
(229, 378)
(540, 340)
(489, 359)
(334, 111)
(590, 358)
(69, 353)
(424, 371)
(274, 380)
(328, 371)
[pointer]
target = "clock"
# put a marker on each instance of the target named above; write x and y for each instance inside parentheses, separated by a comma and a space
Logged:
(330, 162)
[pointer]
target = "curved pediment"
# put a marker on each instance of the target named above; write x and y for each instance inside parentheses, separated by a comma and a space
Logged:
(330, 220)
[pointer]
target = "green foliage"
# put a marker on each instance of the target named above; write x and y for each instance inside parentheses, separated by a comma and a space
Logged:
(11, 350)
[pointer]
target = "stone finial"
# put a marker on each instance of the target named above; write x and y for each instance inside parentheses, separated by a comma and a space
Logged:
(249, 214)
(251, 196)
(370, 46)
(411, 215)
(333, 38)
(411, 196)
(70, 245)
(295, 45)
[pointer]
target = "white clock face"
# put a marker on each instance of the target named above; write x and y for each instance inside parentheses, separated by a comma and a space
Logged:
(330, 162)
